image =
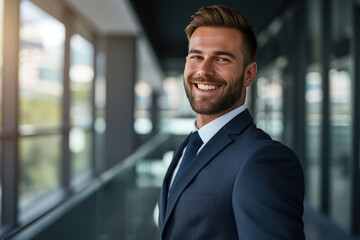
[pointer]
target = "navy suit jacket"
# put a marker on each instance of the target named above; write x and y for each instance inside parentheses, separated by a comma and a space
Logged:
(241, 185)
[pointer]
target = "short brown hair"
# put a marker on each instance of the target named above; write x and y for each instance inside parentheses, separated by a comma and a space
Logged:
(222, 16)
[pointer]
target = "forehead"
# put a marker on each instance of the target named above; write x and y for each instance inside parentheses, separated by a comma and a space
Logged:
(216, 38)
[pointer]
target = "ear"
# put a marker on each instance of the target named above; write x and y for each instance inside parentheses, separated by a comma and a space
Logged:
(249, 74)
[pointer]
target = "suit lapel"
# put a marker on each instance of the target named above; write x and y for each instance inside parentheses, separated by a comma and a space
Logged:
(210, 150)
(216, 144)
(164, 190)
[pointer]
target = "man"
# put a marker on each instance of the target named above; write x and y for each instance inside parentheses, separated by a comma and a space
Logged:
(241, 184)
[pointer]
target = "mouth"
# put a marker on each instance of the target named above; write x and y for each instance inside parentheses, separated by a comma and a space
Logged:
(206, 87)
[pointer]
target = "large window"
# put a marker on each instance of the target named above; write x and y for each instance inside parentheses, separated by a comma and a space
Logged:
(41, 60)
(81, 107)
(46, 108)
(40, 68)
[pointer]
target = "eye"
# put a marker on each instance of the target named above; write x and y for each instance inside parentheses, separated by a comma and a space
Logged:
(196, 57)
(222, 60)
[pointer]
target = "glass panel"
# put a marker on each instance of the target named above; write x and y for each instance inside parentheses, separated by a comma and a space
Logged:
(41, 60)
(100, 89)
(313, 119)
(80, 147)
(313, 107)
(143, 106)
(340, 112)
(269, 115)
(340, 119)
(100, 104)
(81, 87)
(137, 189)
(39, 170)
(81, 80)
(175, 113)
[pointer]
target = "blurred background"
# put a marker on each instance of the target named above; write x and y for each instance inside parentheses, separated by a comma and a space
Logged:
(92, 106)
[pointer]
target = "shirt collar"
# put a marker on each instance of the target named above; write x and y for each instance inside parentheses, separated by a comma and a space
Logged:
(210, 129)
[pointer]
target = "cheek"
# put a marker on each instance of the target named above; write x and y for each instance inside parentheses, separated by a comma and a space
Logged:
(226, 74)
(189, 69)
(235, 75)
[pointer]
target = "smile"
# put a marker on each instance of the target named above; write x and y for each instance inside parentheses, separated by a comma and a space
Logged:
(207, 87)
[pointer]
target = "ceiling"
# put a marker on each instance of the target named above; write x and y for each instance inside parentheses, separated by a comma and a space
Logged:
(164, 21)
(108, 16)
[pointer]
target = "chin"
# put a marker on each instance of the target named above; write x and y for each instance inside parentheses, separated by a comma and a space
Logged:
(206, 110)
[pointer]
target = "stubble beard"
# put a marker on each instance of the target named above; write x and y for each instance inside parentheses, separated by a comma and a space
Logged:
(224, 102)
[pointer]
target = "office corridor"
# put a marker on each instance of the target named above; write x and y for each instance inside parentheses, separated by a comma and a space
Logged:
(92, 104)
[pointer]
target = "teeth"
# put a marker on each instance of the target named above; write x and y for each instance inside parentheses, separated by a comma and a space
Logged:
(207, 87)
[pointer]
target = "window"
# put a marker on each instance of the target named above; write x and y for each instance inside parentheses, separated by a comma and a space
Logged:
(313, 107)
(340, 112)
(40, 68)
(38, 139)
(41, 58)
(313, 119)
(81, 107)
(40, 169)
(143, 102)
(269, 105)
(100, 104)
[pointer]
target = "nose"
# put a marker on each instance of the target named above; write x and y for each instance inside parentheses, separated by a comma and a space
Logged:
(206, 68)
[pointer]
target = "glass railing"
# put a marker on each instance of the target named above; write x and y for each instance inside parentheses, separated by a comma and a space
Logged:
(120, 204)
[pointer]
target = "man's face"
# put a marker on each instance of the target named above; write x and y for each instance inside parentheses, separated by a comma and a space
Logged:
(214, 72)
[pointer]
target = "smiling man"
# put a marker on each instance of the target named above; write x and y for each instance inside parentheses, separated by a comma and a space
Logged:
(228, 179)
(214, 72)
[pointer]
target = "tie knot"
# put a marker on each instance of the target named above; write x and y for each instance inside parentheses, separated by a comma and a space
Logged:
(195, 140)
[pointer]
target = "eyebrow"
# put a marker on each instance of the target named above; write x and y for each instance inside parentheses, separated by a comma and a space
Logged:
(216, 53)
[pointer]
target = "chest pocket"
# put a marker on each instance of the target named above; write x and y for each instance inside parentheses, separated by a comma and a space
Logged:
(197, 204)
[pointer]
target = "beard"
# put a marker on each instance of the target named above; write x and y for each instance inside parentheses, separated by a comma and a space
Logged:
(228, 98)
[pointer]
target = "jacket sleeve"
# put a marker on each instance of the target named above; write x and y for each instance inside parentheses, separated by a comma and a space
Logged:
(268, 195)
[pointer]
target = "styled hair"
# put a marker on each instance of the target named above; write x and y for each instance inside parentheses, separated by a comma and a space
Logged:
(221, 16)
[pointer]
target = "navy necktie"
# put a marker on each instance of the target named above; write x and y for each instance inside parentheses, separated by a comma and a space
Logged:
(192, 148)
